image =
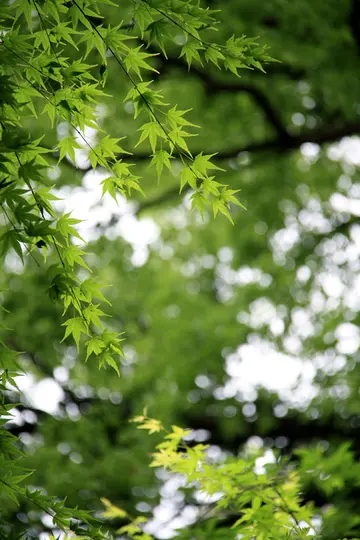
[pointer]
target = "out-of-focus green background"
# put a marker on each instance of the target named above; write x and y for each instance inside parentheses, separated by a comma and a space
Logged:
(244, 331)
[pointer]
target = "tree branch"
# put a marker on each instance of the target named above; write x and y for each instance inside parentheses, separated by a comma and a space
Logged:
(323, 135)
(320, 136)
(294, 427)
(355, 22)
(214, 86)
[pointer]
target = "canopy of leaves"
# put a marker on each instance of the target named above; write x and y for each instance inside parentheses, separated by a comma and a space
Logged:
(129, 147)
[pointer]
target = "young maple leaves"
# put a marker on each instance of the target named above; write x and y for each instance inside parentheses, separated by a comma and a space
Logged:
(262, 505)
(37, 78)
(35, 71)
(167, 135)
(165, 129)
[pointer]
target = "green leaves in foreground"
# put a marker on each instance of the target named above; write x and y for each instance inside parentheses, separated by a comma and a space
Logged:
(44, 72)
(263, 505)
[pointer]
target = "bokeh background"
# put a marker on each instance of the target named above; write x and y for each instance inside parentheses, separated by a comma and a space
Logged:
(246, 333)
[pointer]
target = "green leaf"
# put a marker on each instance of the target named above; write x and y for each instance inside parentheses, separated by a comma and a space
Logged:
(151, 131)
(188, 176)
(91, 289)
(161, 159)
(176, 118)
(92, 315)
(214, 55)
(109, 185)
(202, 164)
(142, 17)
(11, 239)
(65, 226)
(220, 206)
(75, 327)
(198, 202)
(106, 358)
(177, 140)
(191, 52)
(95, 346)
(72, 255)
(135, 61)
(67, 145)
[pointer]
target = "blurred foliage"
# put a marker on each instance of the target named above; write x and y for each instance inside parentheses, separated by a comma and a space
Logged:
(247, 334)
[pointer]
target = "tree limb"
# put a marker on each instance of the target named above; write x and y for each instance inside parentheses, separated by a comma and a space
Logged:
(214, 86)
(355, 22)
(320, 136)
(323, 135)
(296, 429)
